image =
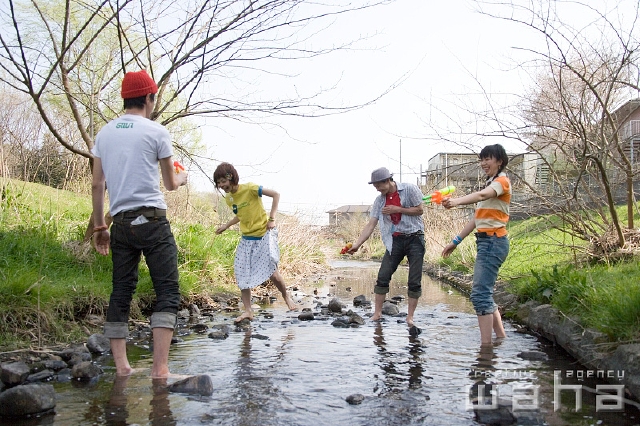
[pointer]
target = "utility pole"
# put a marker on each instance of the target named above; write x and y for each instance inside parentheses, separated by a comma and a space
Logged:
(400, 160)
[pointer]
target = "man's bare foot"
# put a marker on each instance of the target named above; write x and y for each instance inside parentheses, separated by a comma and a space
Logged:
(169, 375)
(292, 306)
(128, 371)
(376, 317)
(410, 322)
(245, 315)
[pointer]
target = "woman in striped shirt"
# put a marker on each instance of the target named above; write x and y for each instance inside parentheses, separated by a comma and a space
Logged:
(490, 222)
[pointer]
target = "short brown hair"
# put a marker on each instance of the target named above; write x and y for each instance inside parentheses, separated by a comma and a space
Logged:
(227, 171)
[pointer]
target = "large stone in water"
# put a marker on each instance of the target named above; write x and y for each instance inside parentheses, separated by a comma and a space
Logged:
(201, 384)
(25, 400)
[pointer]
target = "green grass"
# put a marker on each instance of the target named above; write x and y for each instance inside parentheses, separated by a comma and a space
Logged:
(53, 283)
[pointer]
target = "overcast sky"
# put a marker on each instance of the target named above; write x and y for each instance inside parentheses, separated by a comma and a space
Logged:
(438, 51)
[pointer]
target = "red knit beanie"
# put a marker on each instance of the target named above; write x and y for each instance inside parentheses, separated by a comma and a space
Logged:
(136, 84)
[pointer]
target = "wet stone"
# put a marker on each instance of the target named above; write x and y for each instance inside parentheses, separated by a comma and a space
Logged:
(25, 400)
(533, 356)
(98, 344)
(306, 316)
(14, 373)
(355, 399)
(335, 305)
(86, 370)
(201, 385)
(359, 300)
(389, 308)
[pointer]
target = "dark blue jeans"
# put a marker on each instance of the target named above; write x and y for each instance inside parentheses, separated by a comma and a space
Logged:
(155, 240)
(411, 247)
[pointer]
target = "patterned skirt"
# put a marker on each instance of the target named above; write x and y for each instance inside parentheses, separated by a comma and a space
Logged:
(256, 259)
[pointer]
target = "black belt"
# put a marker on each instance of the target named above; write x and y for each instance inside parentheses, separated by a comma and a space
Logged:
(485, 234)
(413, 234)
(148, 212)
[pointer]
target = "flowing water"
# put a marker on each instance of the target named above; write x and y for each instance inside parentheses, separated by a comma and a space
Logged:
(283, 371)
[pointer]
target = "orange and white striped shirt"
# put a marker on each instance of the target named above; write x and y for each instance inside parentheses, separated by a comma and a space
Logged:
(492, 215)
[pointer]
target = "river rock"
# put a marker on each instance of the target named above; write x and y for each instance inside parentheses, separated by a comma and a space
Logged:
(98, 344)
(306, 316)
(28, 399)
(40, 376)
(355, 399)
(533, 355)
(389, 308)
(201, 385)
(85, 370)
(359, 300)
(335, 305)
(14, 373)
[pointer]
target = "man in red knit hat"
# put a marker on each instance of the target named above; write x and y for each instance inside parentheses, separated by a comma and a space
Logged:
(126, 155)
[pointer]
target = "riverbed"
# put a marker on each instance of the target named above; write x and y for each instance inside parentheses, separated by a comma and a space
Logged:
(283, 371)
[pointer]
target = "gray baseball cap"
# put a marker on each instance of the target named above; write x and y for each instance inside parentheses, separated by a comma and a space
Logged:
(380, 174)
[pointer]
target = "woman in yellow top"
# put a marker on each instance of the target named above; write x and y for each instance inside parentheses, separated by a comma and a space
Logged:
(257, 254)
(490, 222)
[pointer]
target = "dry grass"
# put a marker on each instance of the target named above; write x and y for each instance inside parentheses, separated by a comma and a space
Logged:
(440, 226)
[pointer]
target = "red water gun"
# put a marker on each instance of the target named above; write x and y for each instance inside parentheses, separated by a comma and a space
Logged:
(178, 166)
(346, 248)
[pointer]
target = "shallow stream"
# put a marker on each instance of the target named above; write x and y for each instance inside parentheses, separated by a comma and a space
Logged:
(289, 372)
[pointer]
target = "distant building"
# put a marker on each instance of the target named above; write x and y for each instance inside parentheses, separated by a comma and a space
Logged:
(463, 171)
(345, 213)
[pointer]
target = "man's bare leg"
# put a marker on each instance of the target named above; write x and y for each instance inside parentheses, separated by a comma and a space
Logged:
(413, 303)
(245, 295)
(379, 301)
(278, 280)
(119, 352)
(161, 344)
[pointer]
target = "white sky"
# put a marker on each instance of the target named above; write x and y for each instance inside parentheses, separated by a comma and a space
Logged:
(318, 164)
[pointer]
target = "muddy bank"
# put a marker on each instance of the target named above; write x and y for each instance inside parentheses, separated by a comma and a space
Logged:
(617, 362)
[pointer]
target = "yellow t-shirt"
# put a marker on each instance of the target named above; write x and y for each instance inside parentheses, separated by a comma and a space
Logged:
(246, 203)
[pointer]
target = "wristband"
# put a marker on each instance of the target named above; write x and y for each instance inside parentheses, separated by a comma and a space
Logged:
(100, 228)
(457, 240)
(271, 219)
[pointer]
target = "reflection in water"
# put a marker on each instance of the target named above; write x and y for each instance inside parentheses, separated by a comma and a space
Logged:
(284, 371)
(160, 414)
(117, 406)
(390, 361)
(482, 389)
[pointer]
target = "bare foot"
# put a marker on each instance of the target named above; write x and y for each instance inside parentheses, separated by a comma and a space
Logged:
(376, 317)
(410, 322)
(129, 371)
(245, 315)
(292, 306)
(169, 375)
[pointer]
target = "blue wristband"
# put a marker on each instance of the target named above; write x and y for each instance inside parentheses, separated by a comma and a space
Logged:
(457, 240)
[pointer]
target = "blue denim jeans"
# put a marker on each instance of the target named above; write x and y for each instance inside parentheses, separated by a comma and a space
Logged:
(492, 252)
(411, 246)
(155, 240)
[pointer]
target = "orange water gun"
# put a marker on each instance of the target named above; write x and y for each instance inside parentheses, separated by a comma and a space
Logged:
(178, 166)
(346, 248)
(439, 195)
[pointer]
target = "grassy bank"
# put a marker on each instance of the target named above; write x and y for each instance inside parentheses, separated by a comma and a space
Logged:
(55, 286)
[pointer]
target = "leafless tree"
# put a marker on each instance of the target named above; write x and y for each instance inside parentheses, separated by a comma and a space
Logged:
(69, 56)
(584, 87)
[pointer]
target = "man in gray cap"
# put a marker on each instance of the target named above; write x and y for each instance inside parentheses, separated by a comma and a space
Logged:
(398, 208)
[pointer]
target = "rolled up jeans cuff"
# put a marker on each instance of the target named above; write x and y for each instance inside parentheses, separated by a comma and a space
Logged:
(414, 294)
(116, 330)
(381, 290)
(164, 320)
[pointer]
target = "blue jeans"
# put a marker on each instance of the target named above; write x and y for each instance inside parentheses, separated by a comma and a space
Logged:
(411, 246)
(155, 240)
(492, 252)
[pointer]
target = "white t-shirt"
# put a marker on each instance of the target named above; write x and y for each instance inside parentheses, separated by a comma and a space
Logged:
(129, 148)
